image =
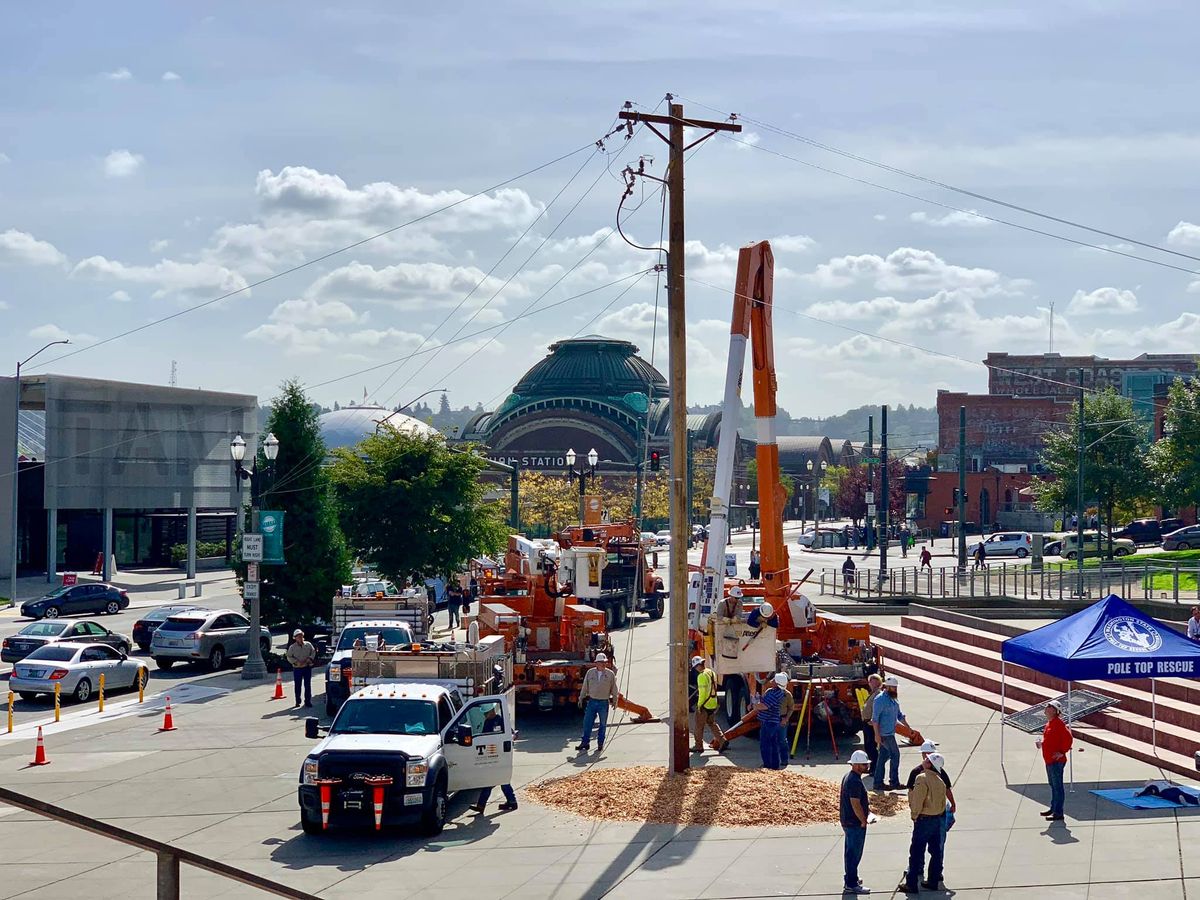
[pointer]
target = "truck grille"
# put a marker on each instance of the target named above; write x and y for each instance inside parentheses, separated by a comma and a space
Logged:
(351, 766)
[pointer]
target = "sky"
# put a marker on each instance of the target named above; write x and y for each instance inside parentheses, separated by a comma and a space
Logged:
(156, 157)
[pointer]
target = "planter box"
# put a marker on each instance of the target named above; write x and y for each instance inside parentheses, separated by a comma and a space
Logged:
(206, 564)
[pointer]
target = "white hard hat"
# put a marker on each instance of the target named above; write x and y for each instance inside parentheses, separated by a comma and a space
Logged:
(735, 592)
(696, 660)
(767, 610)
(937, 761)
(1055, 704)
(781, 679)
(891, 681)
(859, 758)
(298, 633)
(601, 657)
(929, 747)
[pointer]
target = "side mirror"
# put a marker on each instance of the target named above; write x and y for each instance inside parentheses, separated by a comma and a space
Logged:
(463, 735)
(312, 727)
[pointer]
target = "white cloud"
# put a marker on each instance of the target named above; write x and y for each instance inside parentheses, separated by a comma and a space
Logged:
(168, 276)
(122, 163)
(953, 219)
(171, 76)
(121, 74)
(879, 217)
(746, 140)
(51, 332)
(120, 296)
(314, 312)
(159, 246)
(908, 269)
(5, 158)
(792, 243)
(411, 286)
(1104, 300)
(23, 248)
(1185, 234)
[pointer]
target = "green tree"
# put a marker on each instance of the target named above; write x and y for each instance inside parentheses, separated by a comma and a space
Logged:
(1114, 458)
(318, 562)
(1174, 459)
(410, 504)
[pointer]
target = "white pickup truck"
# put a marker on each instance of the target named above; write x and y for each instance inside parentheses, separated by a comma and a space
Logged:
(423, 740)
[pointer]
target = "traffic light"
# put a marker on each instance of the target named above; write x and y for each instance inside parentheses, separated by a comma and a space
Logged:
(655, 460)
(948, 510)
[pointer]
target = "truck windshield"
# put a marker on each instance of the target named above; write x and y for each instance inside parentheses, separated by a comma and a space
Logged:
(386, 717)
(389, 636)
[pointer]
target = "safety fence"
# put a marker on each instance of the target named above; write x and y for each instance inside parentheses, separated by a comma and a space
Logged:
(168, 857)
(1178, 582)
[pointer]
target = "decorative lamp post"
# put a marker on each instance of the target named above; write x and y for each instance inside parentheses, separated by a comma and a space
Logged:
(254, 668)
(582, 475)
(816, 474)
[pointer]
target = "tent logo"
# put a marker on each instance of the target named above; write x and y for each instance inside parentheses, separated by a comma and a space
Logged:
(1132, 634)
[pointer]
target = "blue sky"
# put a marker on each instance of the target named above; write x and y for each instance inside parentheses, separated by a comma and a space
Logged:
(153, 156)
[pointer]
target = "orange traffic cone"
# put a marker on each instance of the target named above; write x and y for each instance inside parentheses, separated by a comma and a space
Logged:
(168, 721)
(39, 755)
(326, 788)
(278, 695)
(378, 783)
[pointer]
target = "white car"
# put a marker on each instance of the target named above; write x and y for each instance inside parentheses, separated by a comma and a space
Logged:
(663, 538)
(1009, 543)
(806, 538)
(77, 667)
(649, 537)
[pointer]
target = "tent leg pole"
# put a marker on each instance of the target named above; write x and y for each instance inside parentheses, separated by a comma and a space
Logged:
(1072, 760)
(1154, 715)
(1003, 709)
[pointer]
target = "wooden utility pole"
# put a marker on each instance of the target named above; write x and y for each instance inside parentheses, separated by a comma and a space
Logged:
(680, 746)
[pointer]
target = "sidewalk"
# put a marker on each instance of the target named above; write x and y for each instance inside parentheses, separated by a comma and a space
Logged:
(146, 587)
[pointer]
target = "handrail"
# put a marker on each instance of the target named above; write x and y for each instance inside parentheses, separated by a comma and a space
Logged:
(169, 857)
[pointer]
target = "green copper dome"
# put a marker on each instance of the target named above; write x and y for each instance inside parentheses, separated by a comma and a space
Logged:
(591, 366)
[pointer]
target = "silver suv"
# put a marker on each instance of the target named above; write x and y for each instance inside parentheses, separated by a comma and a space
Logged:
(204, 636)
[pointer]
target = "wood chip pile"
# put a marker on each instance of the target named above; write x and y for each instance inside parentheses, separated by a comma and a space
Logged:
(716, 795)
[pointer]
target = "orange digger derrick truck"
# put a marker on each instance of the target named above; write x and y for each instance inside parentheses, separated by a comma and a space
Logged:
(827, 658)
(552, 634)
(609, 568)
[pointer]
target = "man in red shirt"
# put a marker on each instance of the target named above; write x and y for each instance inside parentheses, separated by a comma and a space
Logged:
(1055, 744)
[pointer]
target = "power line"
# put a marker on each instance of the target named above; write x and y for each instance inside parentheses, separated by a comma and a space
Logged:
(950, 187)
(314, 261)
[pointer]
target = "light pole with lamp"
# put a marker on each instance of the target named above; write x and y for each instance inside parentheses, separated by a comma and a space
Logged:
(815, 475)
(16, 469)
(254, 669)
(582, 474)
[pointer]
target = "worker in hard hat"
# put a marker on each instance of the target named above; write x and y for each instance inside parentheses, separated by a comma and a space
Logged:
(730, 608)
(785, 715)
(597, 695)
(769, 707)
(706, 705)
(885, 713)
(855, 815)
(763, 616)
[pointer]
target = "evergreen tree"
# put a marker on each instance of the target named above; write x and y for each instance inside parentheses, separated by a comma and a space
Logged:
(317, 562)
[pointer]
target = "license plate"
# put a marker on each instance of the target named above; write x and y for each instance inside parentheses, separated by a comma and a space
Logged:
(174, 643)
(34, 673)
(412, 799)
(351, 804)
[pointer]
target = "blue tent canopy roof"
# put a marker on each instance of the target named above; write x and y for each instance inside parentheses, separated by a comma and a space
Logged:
(1109, 640)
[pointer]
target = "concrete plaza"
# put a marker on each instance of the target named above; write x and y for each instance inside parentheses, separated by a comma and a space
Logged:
(224, 785)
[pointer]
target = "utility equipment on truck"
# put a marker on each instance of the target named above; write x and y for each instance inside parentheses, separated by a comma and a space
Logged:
(609, 567)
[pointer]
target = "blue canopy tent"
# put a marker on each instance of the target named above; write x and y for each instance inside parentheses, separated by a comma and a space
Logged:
(1110, 640)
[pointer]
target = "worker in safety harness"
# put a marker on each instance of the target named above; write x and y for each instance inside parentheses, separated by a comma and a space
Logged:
(730, 609)
(706, 705)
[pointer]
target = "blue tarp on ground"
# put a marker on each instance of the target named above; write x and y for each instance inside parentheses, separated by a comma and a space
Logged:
(1109, 640)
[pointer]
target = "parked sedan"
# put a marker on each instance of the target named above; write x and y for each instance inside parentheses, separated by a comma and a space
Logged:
(77, 598)
(1009, 543)
(203, 635)
(39, 634)
(144, 628)
(663, 538)
(77, 667)
(1183, 539)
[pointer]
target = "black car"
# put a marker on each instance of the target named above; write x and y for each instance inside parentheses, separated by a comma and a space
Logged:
(39, 634)
(77, 598)
(1141, 531)
(144, 628)
(1166, 526)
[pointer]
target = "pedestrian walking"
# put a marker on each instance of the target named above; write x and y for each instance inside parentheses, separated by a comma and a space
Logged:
(980, 556)
(597, 695)
(870, 746)
(1055, 743)
(491, 724)
(904, 539)
(855, 813)
(301, 655)
(846, 536)
(926, 559)
(755, 565)
(454, 604)
(885, 713)
(849, 572)
(1193, 624)
(768, 708)
(856, 532)
(706, 705)
(927, 806)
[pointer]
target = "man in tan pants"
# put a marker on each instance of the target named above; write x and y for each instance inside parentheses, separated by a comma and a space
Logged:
(706, 705)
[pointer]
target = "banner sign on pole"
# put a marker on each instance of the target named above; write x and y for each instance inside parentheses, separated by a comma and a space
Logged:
(270, 523)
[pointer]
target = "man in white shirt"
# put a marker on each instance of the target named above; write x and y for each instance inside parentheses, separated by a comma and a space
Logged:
(1193, 624)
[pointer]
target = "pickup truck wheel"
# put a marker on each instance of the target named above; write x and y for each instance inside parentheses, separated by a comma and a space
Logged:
(310, 826)
(734, 701)
(658, 605)
(433, 821)
(164, 662)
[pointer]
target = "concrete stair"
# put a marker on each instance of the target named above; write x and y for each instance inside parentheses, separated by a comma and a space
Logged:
(965, 661)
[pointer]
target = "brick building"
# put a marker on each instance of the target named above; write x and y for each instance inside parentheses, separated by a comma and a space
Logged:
(1003, 432)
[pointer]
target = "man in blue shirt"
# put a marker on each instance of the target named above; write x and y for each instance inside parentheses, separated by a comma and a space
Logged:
(855, 810)
(885, 713)
(763, 616)
(770, 737)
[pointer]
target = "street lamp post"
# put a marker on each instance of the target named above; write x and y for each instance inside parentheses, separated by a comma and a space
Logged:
(16, 470)
(254, 669)
(815, 475)
(581, 474)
